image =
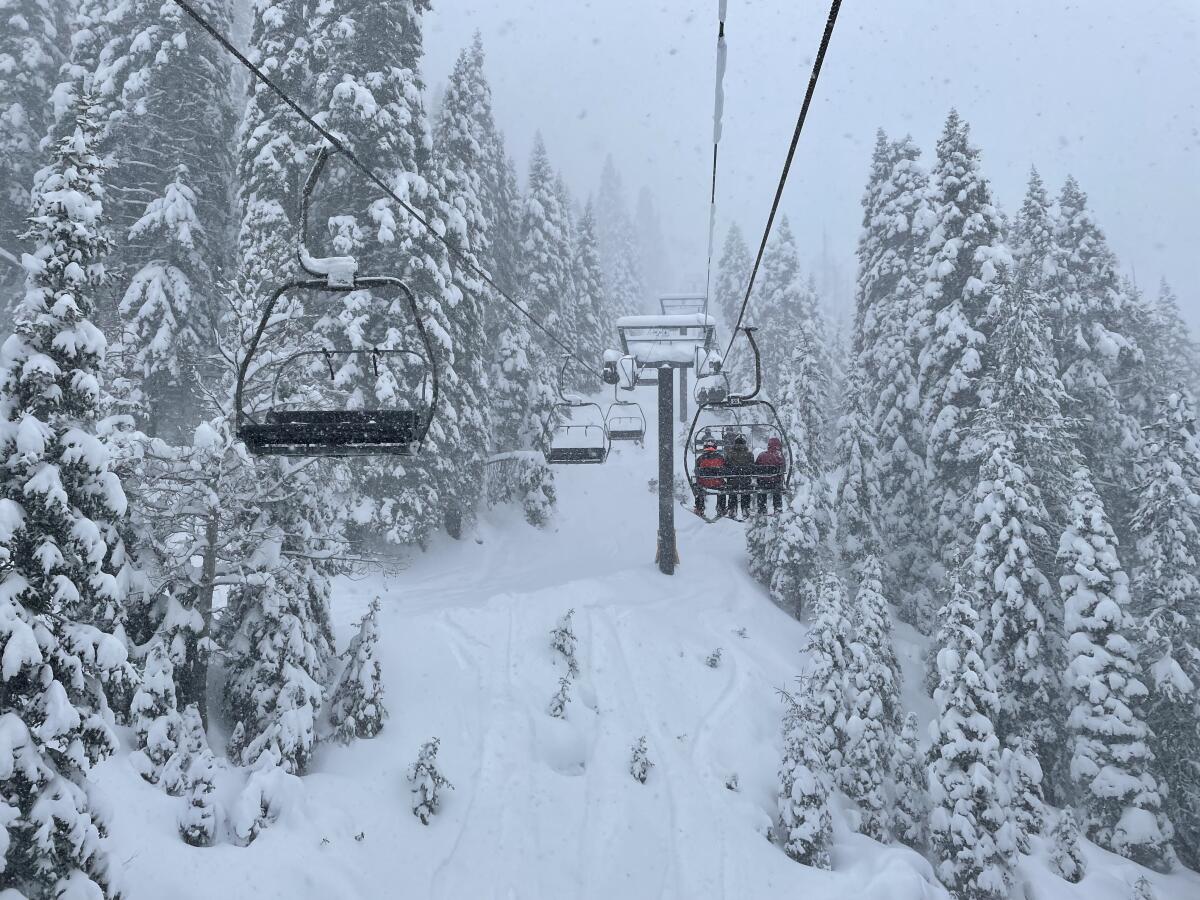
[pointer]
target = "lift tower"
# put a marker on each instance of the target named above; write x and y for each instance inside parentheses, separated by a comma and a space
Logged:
(664, 344)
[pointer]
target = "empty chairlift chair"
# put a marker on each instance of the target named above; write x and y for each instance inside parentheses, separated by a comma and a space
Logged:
(285, 406)
(625, 421)
(575, 442)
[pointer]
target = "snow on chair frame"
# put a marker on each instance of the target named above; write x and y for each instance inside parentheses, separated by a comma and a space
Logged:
(290, 421)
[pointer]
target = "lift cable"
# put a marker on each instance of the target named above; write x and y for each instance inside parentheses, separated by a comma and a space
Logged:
(350, 156)
(718, 114)
(787, 165)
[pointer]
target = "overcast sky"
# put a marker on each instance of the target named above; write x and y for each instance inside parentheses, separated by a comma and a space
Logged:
(1104, 89)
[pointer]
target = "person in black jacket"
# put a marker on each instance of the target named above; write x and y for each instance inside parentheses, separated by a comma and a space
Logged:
(740, 455)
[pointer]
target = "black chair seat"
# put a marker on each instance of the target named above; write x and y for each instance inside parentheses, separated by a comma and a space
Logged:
(626, 434)
(753, 475)
(332, 432)
(577, 455)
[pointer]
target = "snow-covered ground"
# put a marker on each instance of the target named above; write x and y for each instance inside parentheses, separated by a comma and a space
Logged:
(543, 807)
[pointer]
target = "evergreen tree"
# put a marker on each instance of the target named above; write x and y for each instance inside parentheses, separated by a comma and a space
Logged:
(804, 820)
(545, 272)
(639, 763)
(595, 333)
(1167, 589)
(1023, 777)
(828, 651)
(32, 39)
(198, 821)
(887, 307)
(1173, 354)
(357, 710)
(1110, 759)
(1066, 859)
(733, 271)
(787, 551)
(969, 830)
(873, 629)
(169, 197)
(911, 811)
(279, 646)
(427, 782)
(156, 721)
(965, 261)
(1023, 437)
(619, 253)
(858, 502)
(60, 504)
(1093, 323)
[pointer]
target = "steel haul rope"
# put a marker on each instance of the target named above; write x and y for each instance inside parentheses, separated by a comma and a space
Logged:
(787, 164)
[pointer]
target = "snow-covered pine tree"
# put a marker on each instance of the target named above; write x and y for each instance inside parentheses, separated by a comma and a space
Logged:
(733, 271)
(639, 763)
(560, 698)
(888, 337)
(1023, 776)
(279, 645)
(170, 198)
(595, 332)
(562, 639)
(427, 782)
(1173, 355)
(198, 821)
(1066, 858)
(787, 551)
(1092, 323)
(156, 721)
(62, 553)
(619, 253)
(858, 501)
(970, 835)
(778, 303)
(965, 256)
(33, 37)
(804, 782)
(910, 814)
(357, 710)
(545, 272)
(828, 651)
(872, 692)
(1167, 592)
(1143, 889)
(374, 95)
(1024, 443)
(1110, 759)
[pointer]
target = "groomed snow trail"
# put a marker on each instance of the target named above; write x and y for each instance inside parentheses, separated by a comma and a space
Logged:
(543, 807)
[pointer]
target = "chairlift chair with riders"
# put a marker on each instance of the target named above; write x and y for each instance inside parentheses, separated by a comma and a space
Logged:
(722, 417)
(572, 442)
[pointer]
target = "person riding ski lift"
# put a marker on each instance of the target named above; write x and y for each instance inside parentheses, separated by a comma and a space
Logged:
(709, 458)
(739, 456)
(771, 484)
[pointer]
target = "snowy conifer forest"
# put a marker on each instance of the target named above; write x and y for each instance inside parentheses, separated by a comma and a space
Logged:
(954, 653)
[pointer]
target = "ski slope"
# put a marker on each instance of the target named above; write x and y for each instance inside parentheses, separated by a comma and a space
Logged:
(542, 807)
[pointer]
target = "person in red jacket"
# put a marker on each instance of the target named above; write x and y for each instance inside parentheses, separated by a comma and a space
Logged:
(773, 484)
(709, 459)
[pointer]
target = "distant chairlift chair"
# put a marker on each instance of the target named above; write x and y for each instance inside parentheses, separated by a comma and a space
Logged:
(576, 443)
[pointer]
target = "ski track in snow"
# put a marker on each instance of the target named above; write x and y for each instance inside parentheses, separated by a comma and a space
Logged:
(542, 807)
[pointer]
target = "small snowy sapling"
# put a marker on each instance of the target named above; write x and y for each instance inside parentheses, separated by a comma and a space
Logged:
(1143, 889)
(714, 659)
(731, 783)
(562, 639)
(640, 765)
(1066, 859)
(427, 782)
(558, 703)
